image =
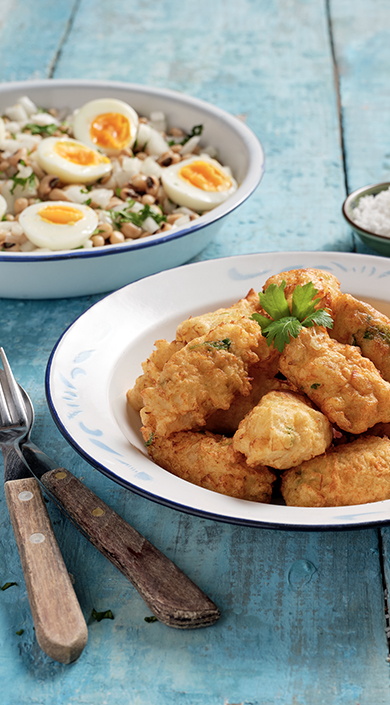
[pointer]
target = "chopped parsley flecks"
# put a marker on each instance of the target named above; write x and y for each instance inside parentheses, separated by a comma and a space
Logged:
(7, 585)
(45, 130)
(98, 616)
(128, 216)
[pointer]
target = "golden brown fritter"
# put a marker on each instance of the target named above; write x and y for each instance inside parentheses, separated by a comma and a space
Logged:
(201, 377)
(226, 421)
(327, 285)
(152, 368)
(358, 323)
(354, 473)
(210, 461)
(346, 386)
(197, 326)
(282, 431)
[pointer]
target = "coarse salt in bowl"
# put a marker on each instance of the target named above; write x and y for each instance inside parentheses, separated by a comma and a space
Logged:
(367, 211)
(65, 273)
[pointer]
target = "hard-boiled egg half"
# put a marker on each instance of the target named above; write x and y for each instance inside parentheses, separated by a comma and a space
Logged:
(72, 161)
(106, 123)
(200, 183)
(58, 225)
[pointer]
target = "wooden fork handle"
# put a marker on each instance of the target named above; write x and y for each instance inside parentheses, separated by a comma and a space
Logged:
(60, 627)
(170, 595)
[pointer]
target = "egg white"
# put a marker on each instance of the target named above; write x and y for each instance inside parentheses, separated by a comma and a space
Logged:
(89, 112)
(54, 236)
(180, 191)
(69, 171)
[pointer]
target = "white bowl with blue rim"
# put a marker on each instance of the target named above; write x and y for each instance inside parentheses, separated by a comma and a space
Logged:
(81, 272)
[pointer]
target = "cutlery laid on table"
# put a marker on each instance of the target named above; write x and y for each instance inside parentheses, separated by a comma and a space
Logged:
(170, 595)
(60, 627)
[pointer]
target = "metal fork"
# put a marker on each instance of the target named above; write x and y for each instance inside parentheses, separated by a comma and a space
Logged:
(170, 594)
(60, 627)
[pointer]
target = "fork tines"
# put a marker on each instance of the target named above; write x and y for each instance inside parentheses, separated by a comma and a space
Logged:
(12, 407)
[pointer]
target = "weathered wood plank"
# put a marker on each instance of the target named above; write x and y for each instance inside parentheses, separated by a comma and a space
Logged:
(362, 42)
(302, 613)
(31, 36)
(268, 61)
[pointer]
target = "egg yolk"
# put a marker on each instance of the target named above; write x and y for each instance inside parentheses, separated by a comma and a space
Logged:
(205, 176)
(78, 154)
(110, 131)
(60, 215)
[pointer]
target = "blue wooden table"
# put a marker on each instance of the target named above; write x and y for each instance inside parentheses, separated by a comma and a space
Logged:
(303, 614)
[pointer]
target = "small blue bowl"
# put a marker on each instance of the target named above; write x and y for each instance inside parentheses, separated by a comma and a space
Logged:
(379, 243)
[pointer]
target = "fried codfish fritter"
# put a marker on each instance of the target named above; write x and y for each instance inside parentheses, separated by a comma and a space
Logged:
(327, 284)
(196, 326)
(201, 325)
(346, 386)
(354, 473)
(210, 461)
(202, 377)
(152, 368)
(358, 323)
(282, 431)
(355, 322)
(225, 421)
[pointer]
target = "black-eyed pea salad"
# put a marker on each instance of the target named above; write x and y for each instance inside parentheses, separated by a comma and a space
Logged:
(100, 176)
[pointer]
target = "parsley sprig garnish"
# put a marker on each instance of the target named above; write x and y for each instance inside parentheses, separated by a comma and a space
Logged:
(285, 323)
(128, 216)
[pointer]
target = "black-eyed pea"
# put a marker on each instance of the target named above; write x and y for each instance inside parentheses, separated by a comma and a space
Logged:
(105, 230)
(173, 217)
(176, 148)
(57, 194)
(20, 204)
(139, 182)
(169, 158)
(148, 200)
(152, 185)
(176, 132)
(117, 237)
(98, 240)
(114, 201)
(129, 230)
(20, 155)
(164, 228)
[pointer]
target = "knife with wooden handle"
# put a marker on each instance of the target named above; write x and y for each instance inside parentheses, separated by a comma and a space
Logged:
(170, 595)
(59, 624)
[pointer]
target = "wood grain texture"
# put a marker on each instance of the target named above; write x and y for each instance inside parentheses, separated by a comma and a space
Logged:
(60, 627)
(172, 597)
(302, 613)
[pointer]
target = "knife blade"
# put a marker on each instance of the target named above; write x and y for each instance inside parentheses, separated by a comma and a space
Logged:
(60, 627)
(170, 595)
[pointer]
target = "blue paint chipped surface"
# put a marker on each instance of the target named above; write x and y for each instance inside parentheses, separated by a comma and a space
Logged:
(302, 613)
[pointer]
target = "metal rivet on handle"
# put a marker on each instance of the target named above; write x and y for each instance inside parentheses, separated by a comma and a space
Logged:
(97, 512)
(60, 475)
(37, 538)
(25, 496)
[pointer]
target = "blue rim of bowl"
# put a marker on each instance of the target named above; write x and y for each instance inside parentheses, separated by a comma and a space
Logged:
(372, 190)
(251, 180)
